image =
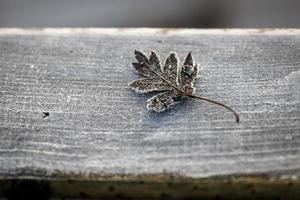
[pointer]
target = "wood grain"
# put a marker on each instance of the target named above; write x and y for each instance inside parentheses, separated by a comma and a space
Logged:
(97, 125)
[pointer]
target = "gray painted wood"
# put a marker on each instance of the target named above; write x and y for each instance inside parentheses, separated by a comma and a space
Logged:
(97, 125)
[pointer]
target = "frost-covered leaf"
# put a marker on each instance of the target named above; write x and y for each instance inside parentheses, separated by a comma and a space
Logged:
(174, 82)
(165, 79)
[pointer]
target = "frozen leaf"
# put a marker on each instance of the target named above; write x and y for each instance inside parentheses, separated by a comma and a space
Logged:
(162, 79)
(172, 81)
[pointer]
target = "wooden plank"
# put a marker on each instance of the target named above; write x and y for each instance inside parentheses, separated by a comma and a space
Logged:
(98, 129)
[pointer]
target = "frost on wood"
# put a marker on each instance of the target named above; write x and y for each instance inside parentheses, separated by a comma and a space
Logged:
(166, 79)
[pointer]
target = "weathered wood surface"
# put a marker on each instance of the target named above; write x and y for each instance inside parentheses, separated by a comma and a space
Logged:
(98, 126)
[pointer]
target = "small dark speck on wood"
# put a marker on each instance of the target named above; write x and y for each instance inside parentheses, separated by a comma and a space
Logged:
(45, 114)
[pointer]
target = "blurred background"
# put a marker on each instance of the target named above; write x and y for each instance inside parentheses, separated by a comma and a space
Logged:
(151, 13)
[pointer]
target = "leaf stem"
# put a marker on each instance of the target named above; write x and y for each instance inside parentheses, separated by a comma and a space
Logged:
(237, 117)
